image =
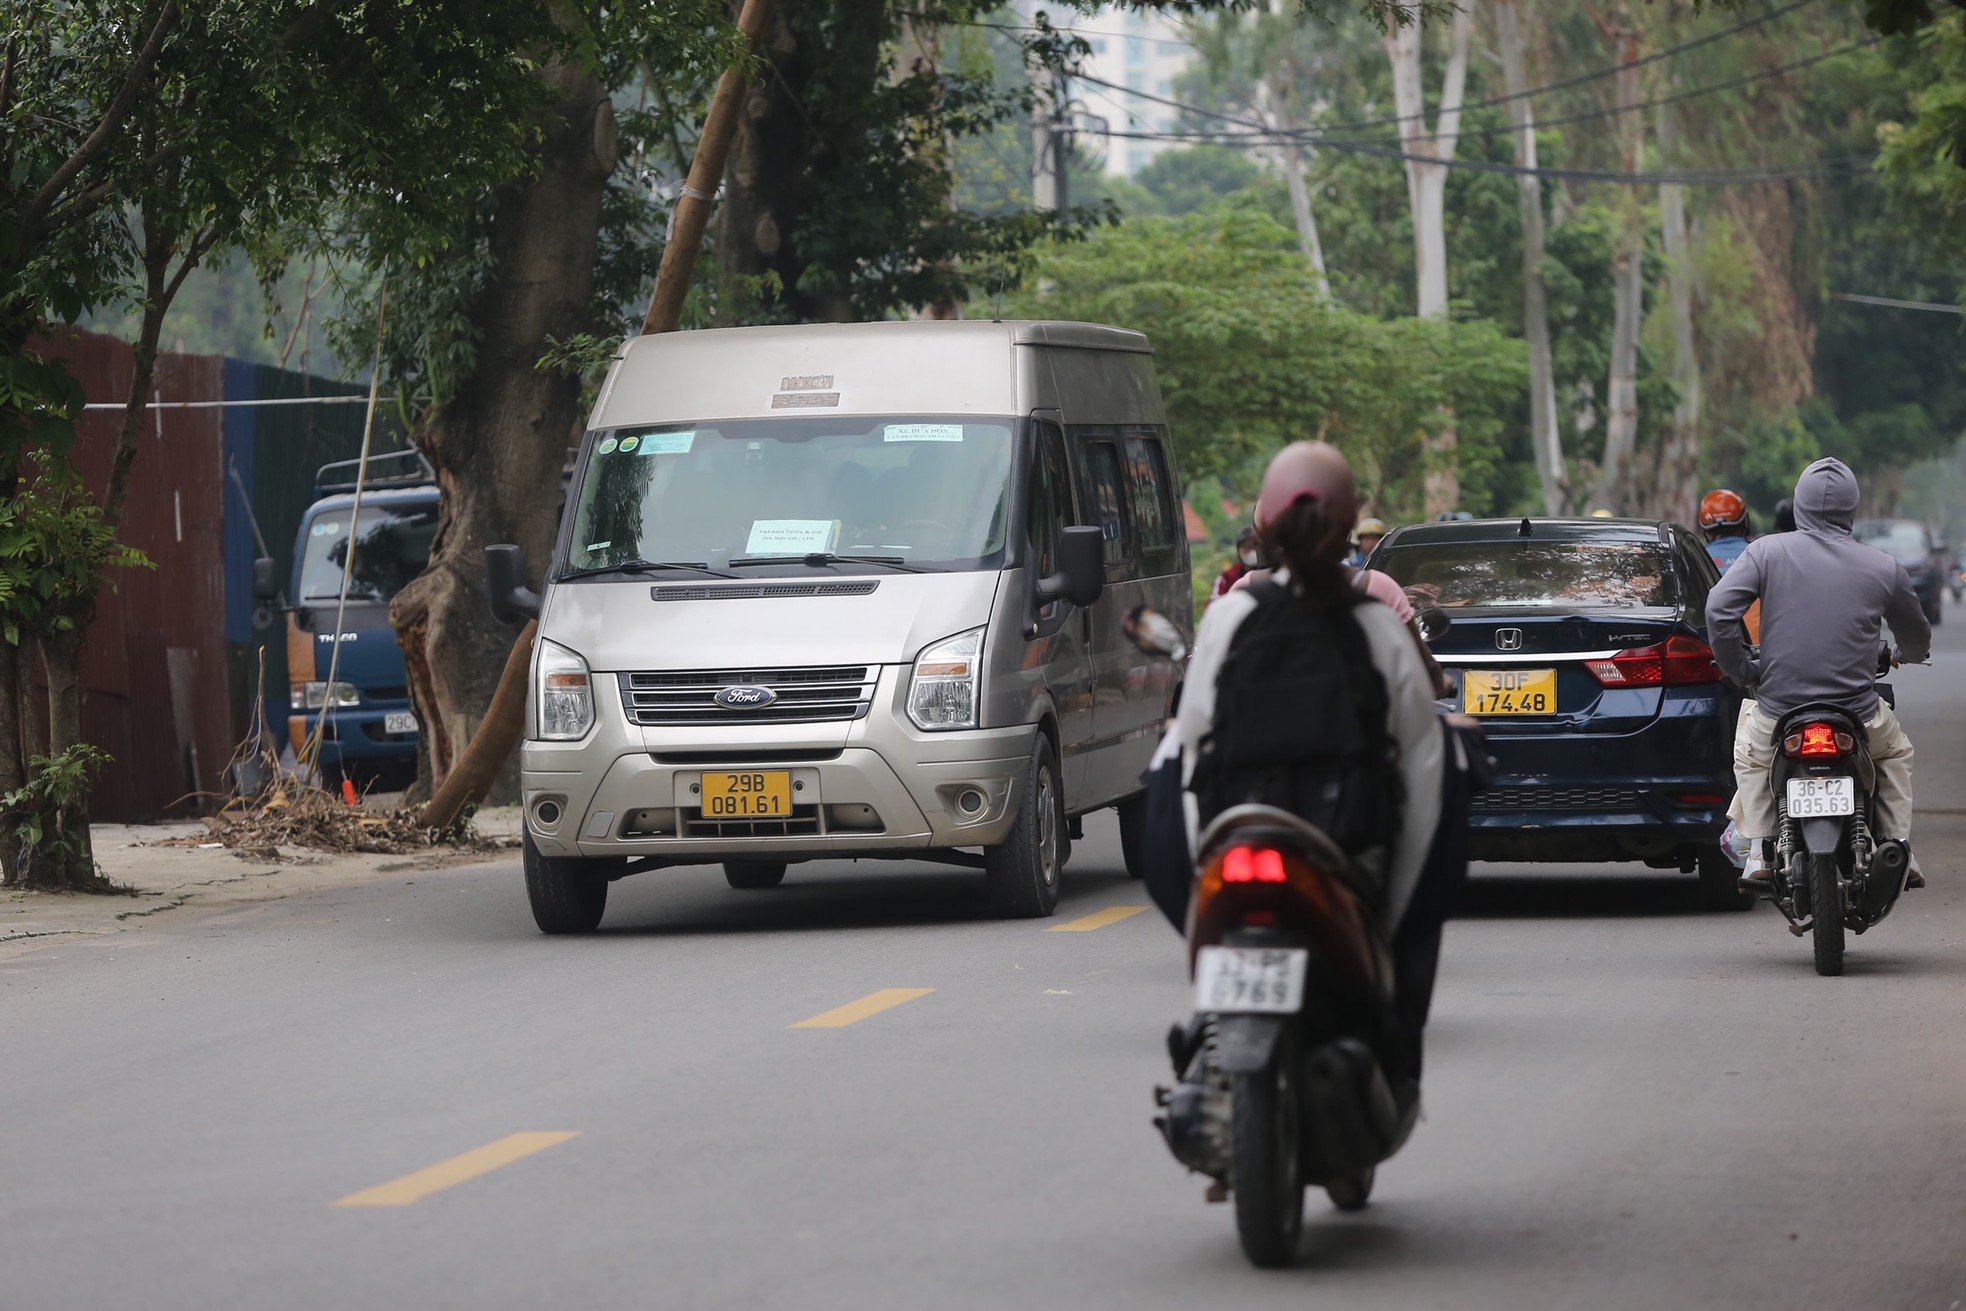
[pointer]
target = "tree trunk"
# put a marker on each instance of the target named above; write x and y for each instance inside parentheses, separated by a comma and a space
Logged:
(1614, 491)
(13, 763)
(1545, 435)
(499, 446)
(1677, 490)
(1300, 206)
(1426, 193)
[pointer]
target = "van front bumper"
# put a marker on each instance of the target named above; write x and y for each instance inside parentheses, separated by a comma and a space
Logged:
(887, 789)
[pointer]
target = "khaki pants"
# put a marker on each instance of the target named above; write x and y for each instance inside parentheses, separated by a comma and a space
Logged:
(1754, 758)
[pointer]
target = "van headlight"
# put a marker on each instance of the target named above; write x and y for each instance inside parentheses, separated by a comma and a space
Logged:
(563, 693)
(942, 693)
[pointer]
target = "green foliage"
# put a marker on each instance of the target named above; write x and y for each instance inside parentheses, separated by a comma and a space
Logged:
(1251, 356)
(55, 850)
(54, 551)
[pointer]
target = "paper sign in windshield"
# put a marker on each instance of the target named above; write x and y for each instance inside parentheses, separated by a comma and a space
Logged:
(666, 443)
(791, 536)
(923, 432)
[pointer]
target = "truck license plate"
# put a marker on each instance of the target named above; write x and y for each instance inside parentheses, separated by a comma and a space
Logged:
(752, 794)
(1242, 980)
(1509, 692)
(399, 721)
(1812, 798)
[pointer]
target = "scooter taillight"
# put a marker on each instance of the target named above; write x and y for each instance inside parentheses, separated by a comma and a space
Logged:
(1818, 741)
(1253, 865)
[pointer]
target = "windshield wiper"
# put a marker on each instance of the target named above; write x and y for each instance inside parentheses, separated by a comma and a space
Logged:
(819, 559)
(640, 567)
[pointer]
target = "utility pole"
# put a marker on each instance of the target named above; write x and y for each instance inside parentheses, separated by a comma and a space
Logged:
(1051, 148)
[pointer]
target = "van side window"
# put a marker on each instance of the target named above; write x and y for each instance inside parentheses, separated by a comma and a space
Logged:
(1050, 503)
(1106, 498)
(1153, 510)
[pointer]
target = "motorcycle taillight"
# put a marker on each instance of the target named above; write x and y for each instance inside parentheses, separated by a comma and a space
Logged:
(1818, 741)
(1252, 865)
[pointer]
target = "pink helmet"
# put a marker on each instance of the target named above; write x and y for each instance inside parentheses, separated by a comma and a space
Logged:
(1313, 471)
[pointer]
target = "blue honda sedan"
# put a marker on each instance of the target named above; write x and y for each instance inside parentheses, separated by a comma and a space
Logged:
(1581, 645)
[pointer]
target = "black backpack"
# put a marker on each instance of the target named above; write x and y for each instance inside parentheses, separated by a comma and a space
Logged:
(1300, 724)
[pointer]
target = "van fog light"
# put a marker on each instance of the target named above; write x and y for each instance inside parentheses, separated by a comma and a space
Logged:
(547, 812)
(971, 802)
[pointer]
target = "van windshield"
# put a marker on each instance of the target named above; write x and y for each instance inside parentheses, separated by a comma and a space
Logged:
(391, 549)
(925, 491)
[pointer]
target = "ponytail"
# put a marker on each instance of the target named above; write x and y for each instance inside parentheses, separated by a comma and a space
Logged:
(1311, 543)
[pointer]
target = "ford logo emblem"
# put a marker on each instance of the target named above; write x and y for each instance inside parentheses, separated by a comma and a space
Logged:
(745, 698)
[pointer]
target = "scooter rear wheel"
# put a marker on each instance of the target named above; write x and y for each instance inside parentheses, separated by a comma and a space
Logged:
(1826, 902)
(1265, 1169)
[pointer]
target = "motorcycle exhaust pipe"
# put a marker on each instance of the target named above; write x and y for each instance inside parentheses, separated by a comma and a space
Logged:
(1890, 865)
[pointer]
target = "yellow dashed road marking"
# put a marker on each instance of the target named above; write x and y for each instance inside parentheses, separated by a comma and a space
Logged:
(855, 1011)
(1099, 919)
(459, 1169)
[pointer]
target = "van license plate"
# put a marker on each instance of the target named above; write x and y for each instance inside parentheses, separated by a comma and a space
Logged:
(1245, 980)
(1812, 798)
(399, 721)
(1509, 691)
(753, 794)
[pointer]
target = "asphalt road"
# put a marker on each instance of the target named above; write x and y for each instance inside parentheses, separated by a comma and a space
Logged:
(1630, 1103)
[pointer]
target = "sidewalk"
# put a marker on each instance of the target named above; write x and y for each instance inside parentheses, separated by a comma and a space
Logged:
(191, 872)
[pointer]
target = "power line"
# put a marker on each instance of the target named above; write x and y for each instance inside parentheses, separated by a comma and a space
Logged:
(1936, 307)
(1849, 164)
(1581, 79)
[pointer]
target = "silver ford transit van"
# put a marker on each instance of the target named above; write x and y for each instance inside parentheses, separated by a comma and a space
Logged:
(850, 590)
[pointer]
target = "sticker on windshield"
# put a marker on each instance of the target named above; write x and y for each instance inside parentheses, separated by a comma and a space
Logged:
(598, 546)
(606, 447)
(923, 432)
(791, 536)
(628, 445)
(326, 527)
(664, 443)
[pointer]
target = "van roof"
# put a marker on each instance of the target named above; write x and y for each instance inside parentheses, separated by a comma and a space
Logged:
(916, 366)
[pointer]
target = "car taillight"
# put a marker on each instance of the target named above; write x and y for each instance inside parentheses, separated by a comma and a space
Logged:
(1252, 865)
(1679, 661)
(1818, 740)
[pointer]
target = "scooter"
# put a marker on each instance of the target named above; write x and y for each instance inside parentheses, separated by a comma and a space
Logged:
(1831, 873)
(1283, 1069)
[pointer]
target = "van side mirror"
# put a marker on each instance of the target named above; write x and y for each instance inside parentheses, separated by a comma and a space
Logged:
(1081, 575)
(266, 583)
(505, 575)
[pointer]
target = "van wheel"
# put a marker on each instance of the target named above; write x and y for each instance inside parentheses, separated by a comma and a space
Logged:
(1133, 833)
(1023, 870)
(568, 893)
(749, 875)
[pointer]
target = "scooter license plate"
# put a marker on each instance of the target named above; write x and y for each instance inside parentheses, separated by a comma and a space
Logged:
(1812, 798)
(1250, 980)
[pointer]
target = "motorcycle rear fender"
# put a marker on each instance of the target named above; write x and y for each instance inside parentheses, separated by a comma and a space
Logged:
(1245, 1044)
(1823, 834)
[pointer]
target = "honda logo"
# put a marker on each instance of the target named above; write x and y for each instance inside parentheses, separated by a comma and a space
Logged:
(1508, 639)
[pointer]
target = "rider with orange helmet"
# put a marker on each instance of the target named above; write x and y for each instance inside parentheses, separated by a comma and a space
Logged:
(1724, 520)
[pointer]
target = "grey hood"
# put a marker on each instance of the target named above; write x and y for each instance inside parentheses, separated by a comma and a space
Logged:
(1826, 498)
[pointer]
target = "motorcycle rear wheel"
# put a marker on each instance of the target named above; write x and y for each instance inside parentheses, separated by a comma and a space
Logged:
(1826, 902)
(1265, 1169)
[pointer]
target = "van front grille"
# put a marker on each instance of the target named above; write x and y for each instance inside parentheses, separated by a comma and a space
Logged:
(797, 696)
(803, 822)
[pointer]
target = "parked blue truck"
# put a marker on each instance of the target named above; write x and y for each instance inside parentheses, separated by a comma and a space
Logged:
(371, 731)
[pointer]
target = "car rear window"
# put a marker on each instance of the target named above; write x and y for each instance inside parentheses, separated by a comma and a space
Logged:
(1550, 574)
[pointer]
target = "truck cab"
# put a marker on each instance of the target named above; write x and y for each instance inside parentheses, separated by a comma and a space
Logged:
(353, 672)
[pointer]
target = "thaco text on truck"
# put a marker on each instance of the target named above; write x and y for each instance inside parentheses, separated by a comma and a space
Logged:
(854, 590)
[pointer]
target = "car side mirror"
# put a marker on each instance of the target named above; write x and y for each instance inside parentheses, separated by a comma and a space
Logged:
(266, 582)
(1081, 575)
(505, 575)
(1154, 633)
(1434, 623)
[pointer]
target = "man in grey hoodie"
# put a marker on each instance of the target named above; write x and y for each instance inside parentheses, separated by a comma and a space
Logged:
(1823, 597)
